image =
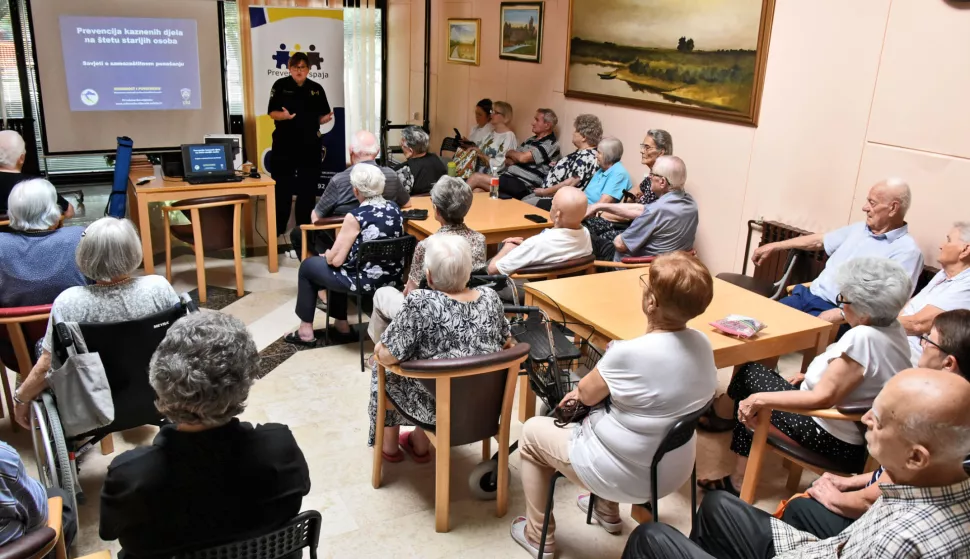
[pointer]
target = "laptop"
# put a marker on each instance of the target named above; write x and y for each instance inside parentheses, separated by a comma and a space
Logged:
(208, 163)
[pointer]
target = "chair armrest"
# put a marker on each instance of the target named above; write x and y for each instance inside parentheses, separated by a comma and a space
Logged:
(462, 366)
(853, 409)
(541, 270)
(826, 413)
(617, 265)
(30, 545)
(638, 259)
(20, 312)
(332, 222)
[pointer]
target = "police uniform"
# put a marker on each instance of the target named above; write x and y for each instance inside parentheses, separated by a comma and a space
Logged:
(296, 157)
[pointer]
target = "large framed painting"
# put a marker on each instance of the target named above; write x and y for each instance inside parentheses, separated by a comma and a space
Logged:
(702, 58)
(521, 24)
(464, 41)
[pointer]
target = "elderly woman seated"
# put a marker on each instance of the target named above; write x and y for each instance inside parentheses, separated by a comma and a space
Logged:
(109, 252)
(451, 198)
(422, 169)
(208, 478)
(636, 392)
(612, 179)
(852, 370)
(448, 320)
(37, 257)
(336, 270)
(575, 169)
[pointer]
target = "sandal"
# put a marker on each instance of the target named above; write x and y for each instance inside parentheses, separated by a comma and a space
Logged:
(517, 531)
(723, 484)
(404, 439)
(713, 423)
(395, 458)
(295, 339)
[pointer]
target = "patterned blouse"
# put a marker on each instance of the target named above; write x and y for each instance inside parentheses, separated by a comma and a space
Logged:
(378, 219)
(580, 163)
(646, 196)
(475, 239)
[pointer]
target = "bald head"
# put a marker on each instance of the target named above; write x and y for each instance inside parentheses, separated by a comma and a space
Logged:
(887, 204)
(919, 424)
(365, 146)
(12, 150)
(568, 208)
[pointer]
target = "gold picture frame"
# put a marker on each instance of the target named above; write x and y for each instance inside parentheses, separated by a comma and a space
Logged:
(464, 38)
(722, 79)
(520, 31)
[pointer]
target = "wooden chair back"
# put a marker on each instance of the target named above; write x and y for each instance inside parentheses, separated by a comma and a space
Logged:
(15, 318)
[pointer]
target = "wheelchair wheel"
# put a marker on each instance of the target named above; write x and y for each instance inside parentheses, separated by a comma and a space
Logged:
(50, 447)
(483, 481)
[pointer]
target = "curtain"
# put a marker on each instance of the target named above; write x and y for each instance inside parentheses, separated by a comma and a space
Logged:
(362, 69)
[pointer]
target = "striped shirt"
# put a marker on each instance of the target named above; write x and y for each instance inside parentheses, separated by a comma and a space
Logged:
(23, 500)
(906, 521)
(545, 152)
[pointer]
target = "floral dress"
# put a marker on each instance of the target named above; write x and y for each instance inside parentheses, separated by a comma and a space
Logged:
(580, 163)
(378, 219)
(432, 325)
(606, 229)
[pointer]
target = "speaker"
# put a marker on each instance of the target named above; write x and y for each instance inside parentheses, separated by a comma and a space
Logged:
(172, 164)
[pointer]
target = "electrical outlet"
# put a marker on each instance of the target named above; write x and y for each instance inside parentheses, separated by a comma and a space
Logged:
(416, 115)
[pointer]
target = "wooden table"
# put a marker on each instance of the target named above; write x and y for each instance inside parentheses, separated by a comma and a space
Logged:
(160, 190)
(608, 307)
(496, 219)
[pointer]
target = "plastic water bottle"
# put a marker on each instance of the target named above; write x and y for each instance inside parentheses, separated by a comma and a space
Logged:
(452, 169)
(493, 188)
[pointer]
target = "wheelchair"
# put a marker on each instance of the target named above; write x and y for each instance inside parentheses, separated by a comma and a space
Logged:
(126, 349)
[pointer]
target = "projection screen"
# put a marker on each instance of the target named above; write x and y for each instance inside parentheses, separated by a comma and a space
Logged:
(149, 70)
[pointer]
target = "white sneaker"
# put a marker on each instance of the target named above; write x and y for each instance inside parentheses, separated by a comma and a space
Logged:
(291, 254)
(518, 534)
(612, 527)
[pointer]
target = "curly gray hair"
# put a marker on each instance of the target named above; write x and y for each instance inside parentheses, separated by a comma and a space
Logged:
(415, 139)
(875, 287)
(203, 369)
(452, 197)
(590, 128)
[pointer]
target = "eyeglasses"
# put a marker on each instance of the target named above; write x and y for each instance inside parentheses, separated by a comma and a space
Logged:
(925, 339)
(840, 300)
(300, 67)
(655, 175)
(645, 281)
(646, 148)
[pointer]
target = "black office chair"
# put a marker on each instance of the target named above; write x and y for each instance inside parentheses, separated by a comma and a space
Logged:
(764, 287)
(679, 434)
(286, 541)
(400, 248)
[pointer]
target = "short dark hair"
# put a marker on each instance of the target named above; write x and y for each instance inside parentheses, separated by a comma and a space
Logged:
(486, 105)
(954, 329)
(298, 57)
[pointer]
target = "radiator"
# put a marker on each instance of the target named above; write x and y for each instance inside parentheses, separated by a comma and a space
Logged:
(773, 268)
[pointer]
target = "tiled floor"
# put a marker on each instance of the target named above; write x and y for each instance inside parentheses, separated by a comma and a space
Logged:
(322, 395)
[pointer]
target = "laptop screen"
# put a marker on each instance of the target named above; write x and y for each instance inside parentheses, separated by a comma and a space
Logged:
(206, 160)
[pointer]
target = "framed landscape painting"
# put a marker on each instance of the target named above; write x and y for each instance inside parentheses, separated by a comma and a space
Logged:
(464, 41)
(702, 58)
(521, 25)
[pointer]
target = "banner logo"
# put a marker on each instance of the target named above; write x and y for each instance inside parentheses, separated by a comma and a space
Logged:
(186, 96)
(89, 97)
(282, 56)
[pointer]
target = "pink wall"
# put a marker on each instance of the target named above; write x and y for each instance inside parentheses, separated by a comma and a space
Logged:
(854, 92)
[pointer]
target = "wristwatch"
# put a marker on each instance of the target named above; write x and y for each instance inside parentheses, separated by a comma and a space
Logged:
(842, 312)
(16, 398)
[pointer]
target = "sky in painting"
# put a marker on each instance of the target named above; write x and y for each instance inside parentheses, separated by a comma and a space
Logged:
(521, 17)
(463, 32)
(713, 24)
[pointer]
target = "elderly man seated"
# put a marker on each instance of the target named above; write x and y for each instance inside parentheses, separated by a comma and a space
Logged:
(422, 170)
(13, 153)
(567, 239)
(884, 233)
(948, 290)
(918, 429)
(526, 167)
(338, 198)
(667, 225)
(23, 501)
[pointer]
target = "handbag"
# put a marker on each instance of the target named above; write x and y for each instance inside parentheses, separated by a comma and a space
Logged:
(80, 385)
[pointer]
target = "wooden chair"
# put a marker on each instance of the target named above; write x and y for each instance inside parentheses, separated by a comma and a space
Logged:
(538, 272)
(327, 223)
(4, 220)
(799, 457)
(219, 238)
(473, 402)
(628, 262)
(41, 542)
(16, 318)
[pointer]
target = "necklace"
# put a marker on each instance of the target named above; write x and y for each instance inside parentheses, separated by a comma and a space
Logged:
(113, 283)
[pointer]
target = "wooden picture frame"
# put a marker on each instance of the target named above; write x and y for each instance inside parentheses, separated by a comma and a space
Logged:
(458, 50)
(520, 31)
(722, 84)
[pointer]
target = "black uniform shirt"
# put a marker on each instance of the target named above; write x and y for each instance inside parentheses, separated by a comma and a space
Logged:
(300, 135)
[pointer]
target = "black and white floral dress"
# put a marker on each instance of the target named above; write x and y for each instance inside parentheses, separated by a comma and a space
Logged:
(432, 325)
(580, 163)
(378, 219)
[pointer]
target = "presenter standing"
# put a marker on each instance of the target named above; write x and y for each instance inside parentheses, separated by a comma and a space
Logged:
(299, 106)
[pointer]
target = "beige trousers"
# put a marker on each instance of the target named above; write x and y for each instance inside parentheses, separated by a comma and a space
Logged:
(387, 304)
(545, 449)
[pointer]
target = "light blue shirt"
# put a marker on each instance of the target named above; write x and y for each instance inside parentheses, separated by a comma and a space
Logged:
(667, 225)
(855, 241)
(612, 181)
(946, 294)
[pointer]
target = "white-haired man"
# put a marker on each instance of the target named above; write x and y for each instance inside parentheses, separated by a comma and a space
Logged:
(919, 430)
(948, 290)
(13, 153)
(338, 198)
(884, 233)
(667, 225)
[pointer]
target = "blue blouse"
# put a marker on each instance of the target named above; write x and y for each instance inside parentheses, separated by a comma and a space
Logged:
(36, 267)
(378, 219)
